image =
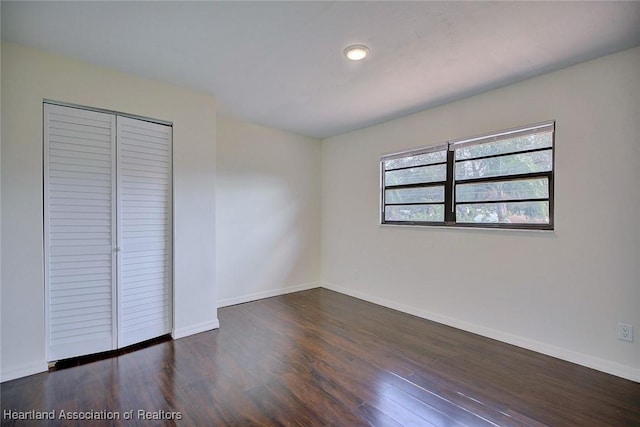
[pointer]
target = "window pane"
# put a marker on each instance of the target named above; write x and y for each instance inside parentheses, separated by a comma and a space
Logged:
(416, 175)
(419, 160)
(504, 190)
(504, 213)
(415, 195)
(513, 145)
(429, 213)
(539, 161)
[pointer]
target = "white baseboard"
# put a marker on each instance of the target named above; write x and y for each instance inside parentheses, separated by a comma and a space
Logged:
(195, 329)
(606, 366)
(592, 362)
(35, 368)
(23, 370)
(266, 294)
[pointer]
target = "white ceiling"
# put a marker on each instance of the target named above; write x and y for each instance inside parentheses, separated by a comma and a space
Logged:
(280, 64)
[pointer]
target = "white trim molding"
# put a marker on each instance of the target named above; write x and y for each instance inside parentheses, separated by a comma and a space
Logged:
(23, 370)
(623, 371)
(266, 294)
(195, 329)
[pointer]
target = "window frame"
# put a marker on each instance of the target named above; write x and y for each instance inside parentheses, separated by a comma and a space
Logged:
(450, 183)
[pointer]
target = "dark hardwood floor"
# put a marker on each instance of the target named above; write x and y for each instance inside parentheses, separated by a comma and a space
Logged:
(319, 358)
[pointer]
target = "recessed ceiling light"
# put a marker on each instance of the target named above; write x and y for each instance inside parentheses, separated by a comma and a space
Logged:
(356, 52)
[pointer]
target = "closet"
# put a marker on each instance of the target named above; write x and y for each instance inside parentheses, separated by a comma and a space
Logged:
(107, 230)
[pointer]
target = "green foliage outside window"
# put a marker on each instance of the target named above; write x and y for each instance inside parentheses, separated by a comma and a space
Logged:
(500, 181)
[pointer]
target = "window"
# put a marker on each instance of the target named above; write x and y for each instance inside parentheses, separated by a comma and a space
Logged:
(501, 180)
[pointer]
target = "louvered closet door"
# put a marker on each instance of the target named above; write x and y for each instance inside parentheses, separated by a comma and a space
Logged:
(145, 230)
(80, 221)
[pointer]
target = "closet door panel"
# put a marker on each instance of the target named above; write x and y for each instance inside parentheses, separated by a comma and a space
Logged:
(145, 230)
(80, 225)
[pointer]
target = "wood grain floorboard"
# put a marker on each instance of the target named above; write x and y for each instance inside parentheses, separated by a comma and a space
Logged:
(319, 358)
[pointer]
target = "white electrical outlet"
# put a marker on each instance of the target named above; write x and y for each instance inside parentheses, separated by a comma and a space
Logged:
(625, 332)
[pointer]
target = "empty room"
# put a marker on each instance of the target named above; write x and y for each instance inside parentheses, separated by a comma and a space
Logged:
(316, 213)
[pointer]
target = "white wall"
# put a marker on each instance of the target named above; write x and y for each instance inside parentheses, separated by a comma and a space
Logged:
(0, 207)
(560, 293)
(28, 76)
(267, 212)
